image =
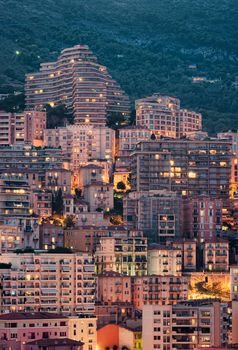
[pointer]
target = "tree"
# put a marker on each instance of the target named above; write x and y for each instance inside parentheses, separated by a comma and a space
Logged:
(121, 186)
(13, 103)
(58, 116)
(69, 221)
(57, 202)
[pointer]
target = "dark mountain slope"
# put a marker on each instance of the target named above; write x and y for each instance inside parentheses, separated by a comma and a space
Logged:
(147, 45)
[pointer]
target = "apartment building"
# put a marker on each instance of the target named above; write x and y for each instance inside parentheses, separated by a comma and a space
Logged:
(48, 344)
(164, 260)
(234, 180)
(83, 328)
(19, 328)
(158, 213)
(114, 287)
(202, 217)
(14, 196)
(122, 336)
(48, 282)
(162, 115)
(91, 173)
(186, 166)
(186, 325)
(44, 330)
(124, 255)
(77, 80)
(159, 290)
(129, 136)
(20, 128)
(51, 236)
(234, 282)
(19, 232)
(90, 235)
(188, 248)
(116, 313)
(216, 255)
(158, 113)
(41, 202)
(188, 122)
(43, 167)
(99, 195)
(81, 144)
(231, 136)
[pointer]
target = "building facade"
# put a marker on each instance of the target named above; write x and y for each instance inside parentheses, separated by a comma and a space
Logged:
(20, 128)
(78, 81)
(48, 282)
(186, 325)
(162, 115)
(186, 166)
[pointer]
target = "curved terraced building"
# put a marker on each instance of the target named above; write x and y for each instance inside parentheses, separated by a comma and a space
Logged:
(81, 83)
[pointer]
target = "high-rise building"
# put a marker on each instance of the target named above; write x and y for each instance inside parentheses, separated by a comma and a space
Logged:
(216, 255)
(82, 143)
(231, 136)
(42, 166)
(187, 166)
(45, 330)
(127, 255)
(113, 287)
(234, 282)
(14, 196)
(164, 260)
(157, 213)
(202, 217)
(187, 325)
(162, 115)
(49, 282)
(77, 80)
(20, 128)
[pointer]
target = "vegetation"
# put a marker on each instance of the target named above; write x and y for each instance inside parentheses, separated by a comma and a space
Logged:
(69, 221)
(60, 250)
(26, 250)
(148, 45)
(58, 116)
(57, 202)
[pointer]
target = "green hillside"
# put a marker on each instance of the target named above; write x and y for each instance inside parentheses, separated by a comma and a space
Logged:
(148, 46)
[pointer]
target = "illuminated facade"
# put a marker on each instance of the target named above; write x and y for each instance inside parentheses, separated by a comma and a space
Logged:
(49, 282)
(164, 260)
(79, 82)
(124, 255)
(188, 248)
(216, 255)
(162, 115)
(99, 195)
(186, 325)
(159, 290)
(81, 144)
(45, 330)
(20, 128)
(187, 166)
(234, 282)
(202, 217)
(42, 166)
(157, 213)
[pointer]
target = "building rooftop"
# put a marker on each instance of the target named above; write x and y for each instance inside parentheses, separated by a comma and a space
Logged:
(156, 246)
(111, 274)
(135, 127)
(56, 342)
(99, 183)
(91, 166)
(30, 316)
